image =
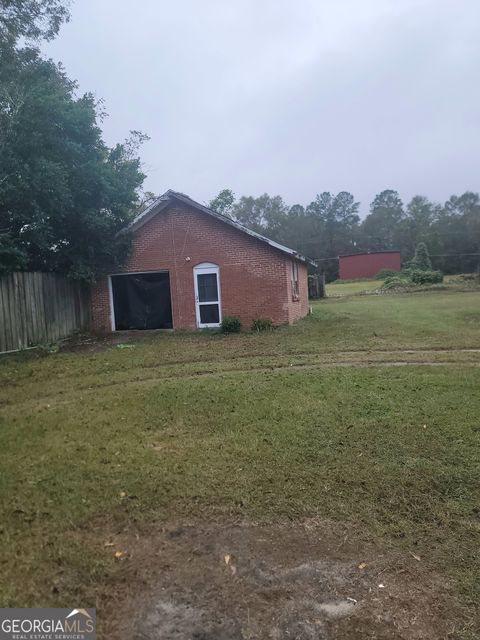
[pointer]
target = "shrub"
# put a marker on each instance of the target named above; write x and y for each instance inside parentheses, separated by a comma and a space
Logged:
(262, 324)
(231, 324)
(399, 275)
(411, 278)
(386, 273)
(396, 283)
(419, 276)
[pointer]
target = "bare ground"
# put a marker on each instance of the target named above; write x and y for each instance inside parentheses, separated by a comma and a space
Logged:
(309, 580)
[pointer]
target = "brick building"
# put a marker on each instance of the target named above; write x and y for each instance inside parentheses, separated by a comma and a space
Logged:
(367, 265)
(190, 266)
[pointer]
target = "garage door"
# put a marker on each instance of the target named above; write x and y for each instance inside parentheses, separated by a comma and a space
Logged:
(142, 301)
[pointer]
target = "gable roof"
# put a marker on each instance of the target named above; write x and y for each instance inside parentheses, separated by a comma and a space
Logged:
(170, 196)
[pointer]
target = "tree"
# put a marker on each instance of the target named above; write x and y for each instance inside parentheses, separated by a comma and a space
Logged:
(333, 228)
(334, 219)
(11, 257)
(296, 211)
(145, 199)
(416, 226)
(262, 213)
(455, 234)
(31, 19)
(466, 209)
(223, 202)
(64, 195)
(421, 260)
(380, 230)
(295, 231)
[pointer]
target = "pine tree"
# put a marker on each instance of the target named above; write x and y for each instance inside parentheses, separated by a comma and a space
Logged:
(421, 259)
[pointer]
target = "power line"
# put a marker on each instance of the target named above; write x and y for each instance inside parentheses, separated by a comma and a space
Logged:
(432, 255)
(452, 255)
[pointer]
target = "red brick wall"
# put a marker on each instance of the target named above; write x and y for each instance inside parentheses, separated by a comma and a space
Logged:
(367, 265)
(255, 279)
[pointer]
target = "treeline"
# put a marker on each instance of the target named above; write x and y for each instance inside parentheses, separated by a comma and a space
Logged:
(330, 226)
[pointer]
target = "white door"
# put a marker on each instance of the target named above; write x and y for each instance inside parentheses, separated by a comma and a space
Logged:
(207, 295)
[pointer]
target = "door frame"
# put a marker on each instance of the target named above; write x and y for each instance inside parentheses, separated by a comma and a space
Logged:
(205, 268)
(132, 273)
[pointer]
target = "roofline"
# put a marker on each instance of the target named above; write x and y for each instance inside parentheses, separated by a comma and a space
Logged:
(164, 200)
(367, 253)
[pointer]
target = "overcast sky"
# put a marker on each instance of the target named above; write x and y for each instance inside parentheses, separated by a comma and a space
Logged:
(289, 97)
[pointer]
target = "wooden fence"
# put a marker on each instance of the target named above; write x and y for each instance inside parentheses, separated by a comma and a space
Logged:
(38, 308)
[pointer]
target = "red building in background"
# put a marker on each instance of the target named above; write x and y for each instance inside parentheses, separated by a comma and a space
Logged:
(367, 265)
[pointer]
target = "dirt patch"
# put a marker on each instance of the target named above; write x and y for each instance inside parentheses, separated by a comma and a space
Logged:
(307, 581)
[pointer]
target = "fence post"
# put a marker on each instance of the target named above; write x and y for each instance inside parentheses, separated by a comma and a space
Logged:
(322, 292)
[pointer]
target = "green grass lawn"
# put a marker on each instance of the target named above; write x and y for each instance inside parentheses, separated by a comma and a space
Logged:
(352, 287)
(258, 425)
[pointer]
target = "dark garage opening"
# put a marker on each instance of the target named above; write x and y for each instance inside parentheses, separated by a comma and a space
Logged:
(142, 301)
